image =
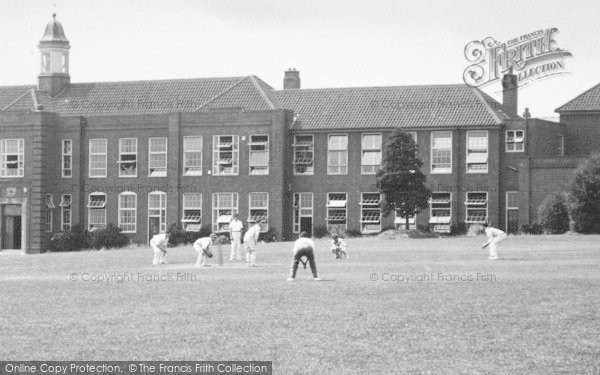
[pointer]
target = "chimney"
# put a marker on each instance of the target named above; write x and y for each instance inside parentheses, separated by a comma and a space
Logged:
(526, 114)
(510, 94)
(291, 80)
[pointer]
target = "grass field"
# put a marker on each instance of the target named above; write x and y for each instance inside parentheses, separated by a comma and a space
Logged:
(536, 311)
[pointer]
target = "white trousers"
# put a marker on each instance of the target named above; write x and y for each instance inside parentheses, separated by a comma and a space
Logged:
(250, 253)
(159, 255)
(201, 261)
(236, 246)
(493, 249)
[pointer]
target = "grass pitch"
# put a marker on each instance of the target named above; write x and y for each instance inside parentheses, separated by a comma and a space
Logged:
(396, 306)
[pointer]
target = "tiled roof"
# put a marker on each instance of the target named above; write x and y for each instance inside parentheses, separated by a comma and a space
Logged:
(246, 94)
(588, 101)
(8, 94)
(394, 106)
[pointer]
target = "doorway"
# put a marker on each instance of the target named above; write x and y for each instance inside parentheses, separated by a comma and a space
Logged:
(11, 226)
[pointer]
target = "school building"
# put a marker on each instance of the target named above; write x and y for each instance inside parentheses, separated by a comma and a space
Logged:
(146, 154)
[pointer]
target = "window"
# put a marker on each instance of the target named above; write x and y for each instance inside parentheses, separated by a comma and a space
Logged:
(515, 140)
(192, 212)
(303, 155)
(157, 157)
(371, 153)
(192, 156)
(400, 221)
(128, 157)
(441, 152)
(303, 212)
(259, 154)
(512, 212)
(477, 151)
(97, 157)
(440, 211)
(336, 212)
(96, 211)
(128, 212)
(225, 205)
(157, 210)
(370, 213)
(67, 158)
(49, 212)
(337, 154)
(258, 209)
(512, 200)
(11, 155)
(477, 204)
(225, 155)
(65, 212)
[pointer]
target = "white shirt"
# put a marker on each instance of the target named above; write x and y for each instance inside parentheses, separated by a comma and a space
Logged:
(252, 234)
(492, 233)
(204, 242)
(160, 239)
(236, 225)
(341, 244)
(303, 243)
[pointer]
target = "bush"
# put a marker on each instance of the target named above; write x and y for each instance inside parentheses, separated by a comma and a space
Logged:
(584, 196)
(458, 229)
(352, 233)
(320, 231)
(553, 214)
(178, 236)
(269, 236)
(72, 240)
(108, 237)
(533, 228)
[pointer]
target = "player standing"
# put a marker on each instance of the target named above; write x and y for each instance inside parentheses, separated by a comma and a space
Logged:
(202, 247)
(158, 243)
(304, 247)
(235, 234)
(495, 236)
(250, 241)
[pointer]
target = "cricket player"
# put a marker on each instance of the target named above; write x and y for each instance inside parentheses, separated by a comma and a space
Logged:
(304, 247)
(495, 236)
(202, 247)
(250, 241)
(159, 245)
(235, 234)
(338, 247)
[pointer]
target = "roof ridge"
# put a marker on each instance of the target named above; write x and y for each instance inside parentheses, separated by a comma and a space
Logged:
(159, 80)
(220, 94)
(374, 87)
(17, 99)
(35, 101)
(262, 92)
(577, 97)
(486, 105)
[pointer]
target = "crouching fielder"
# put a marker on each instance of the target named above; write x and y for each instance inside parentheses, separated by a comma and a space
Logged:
(304, 247)
(250, 241)
(495, 236)
(338, 247)
(202, 247)
(159, 246)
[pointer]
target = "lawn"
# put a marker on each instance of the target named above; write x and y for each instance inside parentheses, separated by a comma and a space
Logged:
(396, 306)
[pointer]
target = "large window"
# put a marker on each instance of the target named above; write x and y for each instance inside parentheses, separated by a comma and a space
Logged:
(157, 211)
(96, 211)
(515, 140)
(337, 154)
(259, 154)
(441, 152)
(303, 155)
(477, 151)
(128, 212)
(157, 157)
(65, 212)
(371, 153)
(477, 207)
(303, 212)
(192, 156)
(97, 157)
(258, 209)
(225, 155)
(192, 212)
(49, 212)
(336, 212)
(225, 205)
(440, 211)
(512, 212)
(370, 213)
(128, 157)
(11, 155)
(67, 158)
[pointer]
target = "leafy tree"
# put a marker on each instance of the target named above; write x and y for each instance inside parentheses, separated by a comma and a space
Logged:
(400, 180)
(584, 196)
(553, 214)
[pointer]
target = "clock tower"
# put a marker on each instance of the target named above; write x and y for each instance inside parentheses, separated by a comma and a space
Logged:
(54, 59)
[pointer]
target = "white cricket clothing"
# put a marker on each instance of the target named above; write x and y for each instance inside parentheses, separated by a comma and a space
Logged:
(236, 225)
(341, 245)
(156, 242)
(159, 239)
(250, 241)
(200, 245)
(303, 243)
(495, 236)
(236, 246)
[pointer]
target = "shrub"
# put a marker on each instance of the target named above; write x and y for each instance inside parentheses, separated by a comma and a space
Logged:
(458, 229)
(108, 237)
(553, 214)
(353, 233)
(71, 240)
(320, 231)
(269, 236)
(178, 236)
(533, 228)
(584, 196)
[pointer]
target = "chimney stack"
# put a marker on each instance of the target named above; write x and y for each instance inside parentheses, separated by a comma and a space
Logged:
(526, 114)
(291, 80)
(510, 94)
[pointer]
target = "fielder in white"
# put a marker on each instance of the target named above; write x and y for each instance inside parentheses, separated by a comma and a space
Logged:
(495, 236)
(159, 245)
(338, 247)
(202, 247)
(235, 233)
(304, 247)
(250, 241)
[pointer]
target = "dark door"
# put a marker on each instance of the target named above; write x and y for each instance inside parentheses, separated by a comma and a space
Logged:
(512, 221)
(306, 225)
(17, 232)
(8, 232)
(153, 226)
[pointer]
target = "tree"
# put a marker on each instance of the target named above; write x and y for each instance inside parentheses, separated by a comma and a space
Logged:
(584, 196)
(400, 180)
(553, 214)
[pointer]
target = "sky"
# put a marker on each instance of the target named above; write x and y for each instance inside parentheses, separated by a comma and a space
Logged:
(332, 43)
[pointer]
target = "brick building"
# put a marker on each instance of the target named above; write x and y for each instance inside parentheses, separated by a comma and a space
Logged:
(146, 154)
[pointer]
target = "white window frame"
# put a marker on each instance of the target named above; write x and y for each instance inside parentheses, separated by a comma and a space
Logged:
(259, 212)
(223, 212)
(155, 170)
(66, 201)
(302, 150)
(191, 219)
(254, 147)
(367, 169)
(49, 212)
(400, 222)
(121, 210)
(159, 211)
(67, 158)
(4, 155)
(337, 214)
(509, 207)
(221, 149)
(342, 167)
(370, 212)
(301, 210)
(515, 141)
(476, 207)
(101, 205)
(443, 225)
(446, 170)
(192, 169)
(123, 153)
(98, 172)
(470, 165)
